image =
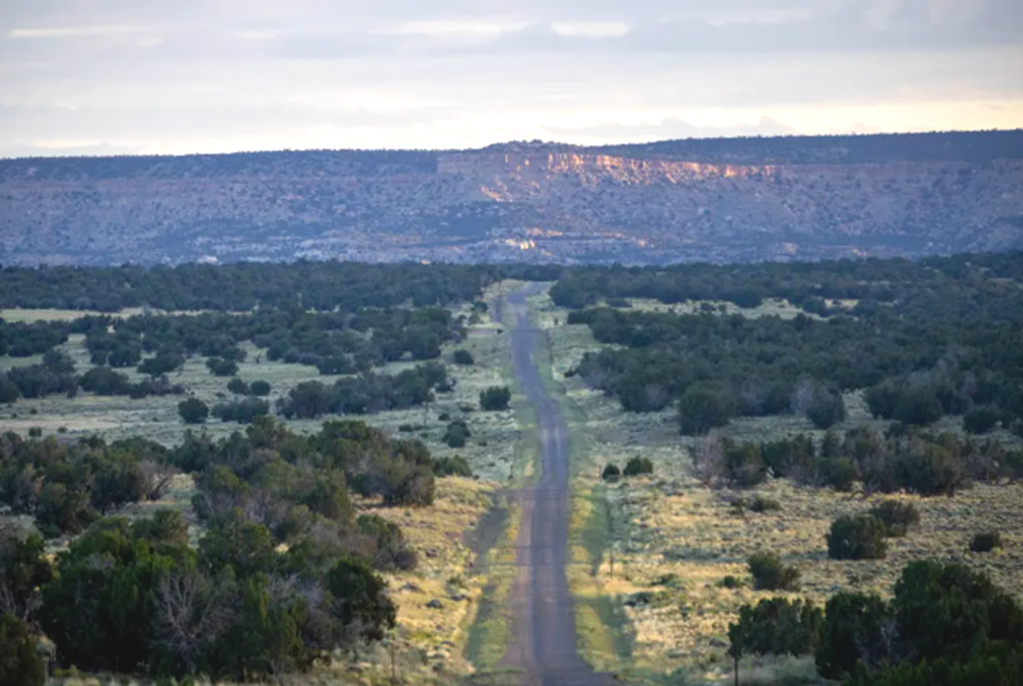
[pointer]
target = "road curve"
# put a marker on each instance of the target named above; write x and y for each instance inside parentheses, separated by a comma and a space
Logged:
(544, 642)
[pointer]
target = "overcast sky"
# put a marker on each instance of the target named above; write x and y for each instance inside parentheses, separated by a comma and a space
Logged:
(181, 76)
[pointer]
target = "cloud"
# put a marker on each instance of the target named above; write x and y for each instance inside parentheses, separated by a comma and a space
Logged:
(214, 73)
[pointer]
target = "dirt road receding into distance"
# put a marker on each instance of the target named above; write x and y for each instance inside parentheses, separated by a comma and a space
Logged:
(544, 642)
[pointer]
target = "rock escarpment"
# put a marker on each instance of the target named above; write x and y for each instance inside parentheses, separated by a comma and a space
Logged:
(727, 200)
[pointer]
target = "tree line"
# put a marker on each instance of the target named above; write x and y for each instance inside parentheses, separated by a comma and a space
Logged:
(241, 287)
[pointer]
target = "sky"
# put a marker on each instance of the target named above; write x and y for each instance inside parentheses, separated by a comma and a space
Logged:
(184, 76)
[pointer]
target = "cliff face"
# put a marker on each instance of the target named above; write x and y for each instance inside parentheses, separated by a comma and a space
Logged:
(534, 202)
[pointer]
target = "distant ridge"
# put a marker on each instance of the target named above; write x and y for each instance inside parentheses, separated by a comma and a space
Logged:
(725, 199)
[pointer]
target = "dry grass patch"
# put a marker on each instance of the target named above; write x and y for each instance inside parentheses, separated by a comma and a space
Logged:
(437, 600)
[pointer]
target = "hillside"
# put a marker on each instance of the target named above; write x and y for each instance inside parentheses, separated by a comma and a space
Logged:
(713, 200)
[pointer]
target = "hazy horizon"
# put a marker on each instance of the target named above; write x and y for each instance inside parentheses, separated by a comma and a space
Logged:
(207, 76)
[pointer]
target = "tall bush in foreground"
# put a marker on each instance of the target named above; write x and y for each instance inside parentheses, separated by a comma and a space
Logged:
(775, 626)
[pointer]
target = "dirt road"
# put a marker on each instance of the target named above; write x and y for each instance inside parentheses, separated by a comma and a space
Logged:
(544, 644)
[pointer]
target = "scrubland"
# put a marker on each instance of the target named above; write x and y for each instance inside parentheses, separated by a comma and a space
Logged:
(661, 615)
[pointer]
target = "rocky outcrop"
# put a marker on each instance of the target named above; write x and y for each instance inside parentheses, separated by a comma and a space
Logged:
(520, 201)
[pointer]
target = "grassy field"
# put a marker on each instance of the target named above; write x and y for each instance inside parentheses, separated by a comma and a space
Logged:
(662, 615)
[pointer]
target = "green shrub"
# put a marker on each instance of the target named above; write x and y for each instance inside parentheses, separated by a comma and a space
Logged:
(857, 628)
(743, 465)
(495, 398)
(775, 626)
(857, 537)
(840, 473)
(702, 407)
(35, 432)
(463, 357)
(896, 516)
(770, 574)
(985, 542)
(456, 434)
(222, 367)
(826, 409)
(452, 466)
(732, 582)
(193, 411)
(20, 664)
(260, 388)
(611, 473)
(637, 466)
(238, 386)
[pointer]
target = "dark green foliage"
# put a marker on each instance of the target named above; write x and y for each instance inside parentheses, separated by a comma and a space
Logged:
(23, 569)
(105, 381)
(20, 663)
(775, 626)
(981, 419)
(946, 626)
(9, 391)
(638, 466)
(456, 434)
(896, 516)
(452, 466)
(907, 353)
(463, 357)
(857, 628)
(58, 362)
(360, 601)
(193, 411)
(918, 405)
(731, 582)
(826, 409)
(365, 394)
(795, 457)
(495, 398)
(840, 473)
(164, 362)
(985, 542)
(857, 537)
(222, 367)
(67, 486)
(242, 411)
(99, 606)
(389, 549)
(260, 388)
(771, 574)
(997, 666)
(238, 387)
(743, 465)
(611, 473)
(36, 381)
(945, 610)
(703, 407)
(135, 597)
(20, 339)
